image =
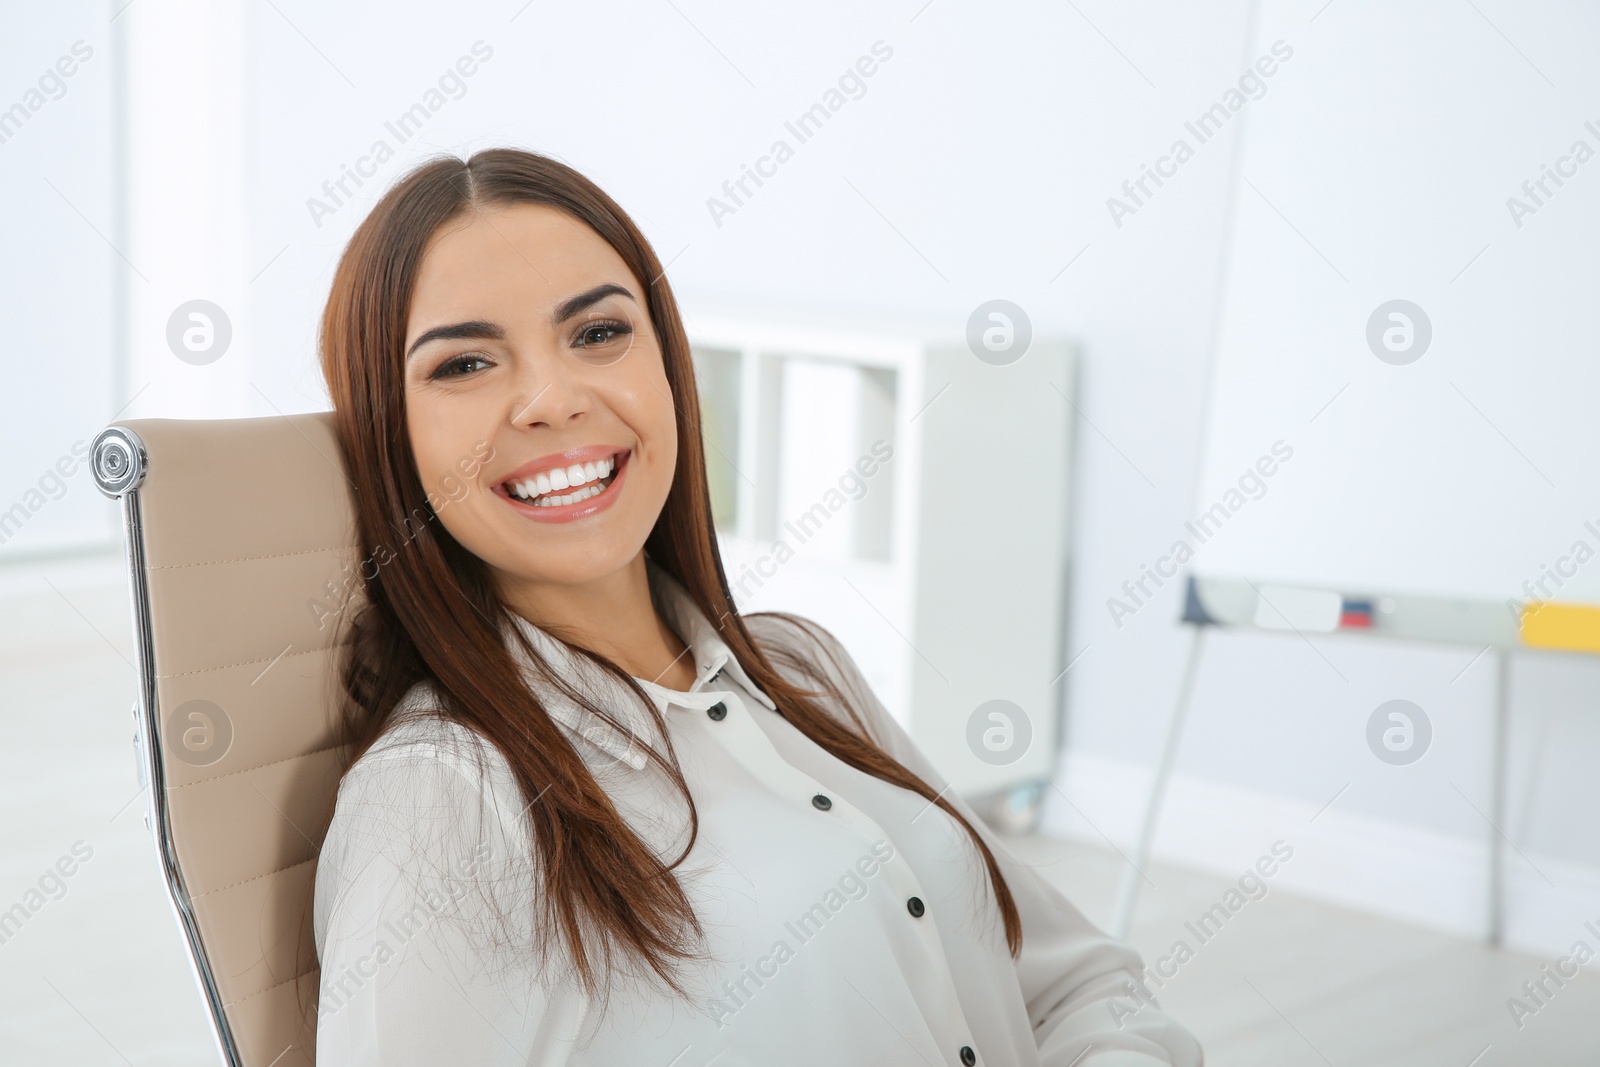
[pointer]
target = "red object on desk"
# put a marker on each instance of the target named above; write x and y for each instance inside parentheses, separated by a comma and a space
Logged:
(1357, 614)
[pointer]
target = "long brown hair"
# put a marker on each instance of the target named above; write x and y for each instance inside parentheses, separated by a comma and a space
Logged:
(430, 612)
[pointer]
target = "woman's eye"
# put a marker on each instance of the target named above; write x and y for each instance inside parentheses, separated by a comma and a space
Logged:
(456, 366)
(595, 334)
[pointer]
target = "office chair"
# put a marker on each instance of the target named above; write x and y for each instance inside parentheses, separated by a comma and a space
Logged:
(242, 557)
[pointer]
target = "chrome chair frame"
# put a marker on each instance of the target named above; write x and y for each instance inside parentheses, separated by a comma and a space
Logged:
(120, 462)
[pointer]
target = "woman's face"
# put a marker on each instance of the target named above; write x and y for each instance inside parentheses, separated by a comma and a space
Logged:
(537, 400)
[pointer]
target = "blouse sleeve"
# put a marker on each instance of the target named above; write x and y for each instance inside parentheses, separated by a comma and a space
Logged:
(1077, 981)
(423, 907)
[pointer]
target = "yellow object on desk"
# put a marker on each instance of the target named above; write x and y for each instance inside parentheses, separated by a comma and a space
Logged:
(1572, 627)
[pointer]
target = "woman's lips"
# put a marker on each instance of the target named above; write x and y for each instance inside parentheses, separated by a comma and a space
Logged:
(572, 512)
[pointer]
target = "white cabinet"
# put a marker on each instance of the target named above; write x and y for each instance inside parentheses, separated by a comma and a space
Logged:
(913, 498)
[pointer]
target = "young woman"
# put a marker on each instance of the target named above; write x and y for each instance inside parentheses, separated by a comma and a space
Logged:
(593, 815)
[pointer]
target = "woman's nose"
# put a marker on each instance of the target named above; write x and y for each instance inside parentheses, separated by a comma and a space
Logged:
(546, 394)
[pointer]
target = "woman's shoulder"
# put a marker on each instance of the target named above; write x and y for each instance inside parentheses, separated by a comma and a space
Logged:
(419, 723)
(428, 812)
(426, 768)
(417, 731)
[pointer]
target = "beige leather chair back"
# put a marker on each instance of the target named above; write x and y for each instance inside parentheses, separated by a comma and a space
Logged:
(242, 556)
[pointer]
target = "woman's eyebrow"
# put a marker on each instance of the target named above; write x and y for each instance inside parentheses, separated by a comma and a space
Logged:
(572, 305)
(477, 330)
(480, 330)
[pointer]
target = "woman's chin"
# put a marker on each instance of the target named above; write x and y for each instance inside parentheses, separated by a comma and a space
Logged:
(583, 563)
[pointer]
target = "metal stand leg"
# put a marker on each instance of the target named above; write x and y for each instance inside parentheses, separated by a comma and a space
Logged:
(1498, 811)
(1128, 892)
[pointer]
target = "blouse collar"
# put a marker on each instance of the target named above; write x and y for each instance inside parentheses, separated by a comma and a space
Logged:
(710, 654)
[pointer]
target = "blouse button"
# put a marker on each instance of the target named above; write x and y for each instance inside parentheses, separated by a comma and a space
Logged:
(821, 803)
(968, 1056)
(914, 906)
(718, 711)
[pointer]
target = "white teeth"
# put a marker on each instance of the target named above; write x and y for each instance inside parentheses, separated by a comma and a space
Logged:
(542, 489)
(571, 498)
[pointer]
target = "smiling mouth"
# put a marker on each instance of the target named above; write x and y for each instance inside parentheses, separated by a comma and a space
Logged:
(562, 486)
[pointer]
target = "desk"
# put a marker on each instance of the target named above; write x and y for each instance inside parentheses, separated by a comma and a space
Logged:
(1242, 604)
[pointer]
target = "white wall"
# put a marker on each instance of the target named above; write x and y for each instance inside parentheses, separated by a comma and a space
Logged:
(57, 275)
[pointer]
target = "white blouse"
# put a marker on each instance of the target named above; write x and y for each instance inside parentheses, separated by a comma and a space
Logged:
(849, 921)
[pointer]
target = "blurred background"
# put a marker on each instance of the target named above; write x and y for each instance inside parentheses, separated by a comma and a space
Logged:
(1293, 298)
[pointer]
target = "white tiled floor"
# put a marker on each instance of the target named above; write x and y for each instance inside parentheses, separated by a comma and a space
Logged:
(1288, 981)
(97, 974)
